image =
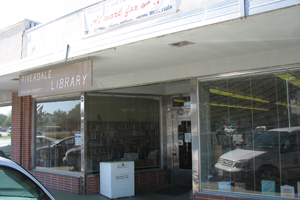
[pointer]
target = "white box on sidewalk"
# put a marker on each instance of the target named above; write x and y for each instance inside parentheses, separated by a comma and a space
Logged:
(117, 179)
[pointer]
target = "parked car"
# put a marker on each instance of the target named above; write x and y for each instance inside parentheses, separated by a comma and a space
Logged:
(261, 129)
(73, 158)
(260, 158)
(17, 183)
(230, 129)
(43, 141)
(242, 135)
(39, 132)
(9, 130)
(62, 146)
(5, 150)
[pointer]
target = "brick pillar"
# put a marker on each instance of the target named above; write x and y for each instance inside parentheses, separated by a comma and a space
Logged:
(27, 132)
(21, 130)
(16, 128)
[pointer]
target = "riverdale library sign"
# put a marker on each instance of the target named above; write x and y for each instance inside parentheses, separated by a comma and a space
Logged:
(116, 13)
(68, 77)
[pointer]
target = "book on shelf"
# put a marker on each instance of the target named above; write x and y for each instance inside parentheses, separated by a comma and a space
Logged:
(268, 187)
(240, 187)
(287, 191)
(224, 186)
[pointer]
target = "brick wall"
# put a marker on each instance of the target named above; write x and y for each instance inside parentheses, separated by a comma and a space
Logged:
(59, 182)
(72, 184)
(27, 110)
(21, 130)
(93, 185)
(150, 178)
(16, 128)
(142, 179)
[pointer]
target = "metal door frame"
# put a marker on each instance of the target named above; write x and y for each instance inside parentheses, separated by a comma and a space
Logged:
(181, 176)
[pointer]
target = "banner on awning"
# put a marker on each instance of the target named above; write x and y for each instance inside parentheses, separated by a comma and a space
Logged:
(116, 13)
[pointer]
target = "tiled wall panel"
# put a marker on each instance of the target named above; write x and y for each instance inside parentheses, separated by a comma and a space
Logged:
(142, 180)
(59, 182)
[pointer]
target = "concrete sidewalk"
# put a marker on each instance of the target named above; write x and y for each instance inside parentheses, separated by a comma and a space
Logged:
(140, 194)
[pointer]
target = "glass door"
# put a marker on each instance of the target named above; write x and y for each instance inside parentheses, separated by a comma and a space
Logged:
(183, 154)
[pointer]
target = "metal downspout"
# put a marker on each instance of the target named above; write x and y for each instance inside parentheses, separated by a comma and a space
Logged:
(196, 183)
(242, 8)
(83, 131)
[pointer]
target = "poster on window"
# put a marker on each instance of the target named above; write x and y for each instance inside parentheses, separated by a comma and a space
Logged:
(268, 187)
(187, 137)
(287, 191)
(224, 186)
(180, 142)
(77, 139)
(298, 189)
(240, 187)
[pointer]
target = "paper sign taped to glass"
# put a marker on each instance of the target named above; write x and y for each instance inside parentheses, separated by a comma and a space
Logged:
(224, 186)
(268, 187)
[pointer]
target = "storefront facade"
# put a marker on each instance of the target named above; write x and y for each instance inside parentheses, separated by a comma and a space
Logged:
(107, 128)
(184, 89)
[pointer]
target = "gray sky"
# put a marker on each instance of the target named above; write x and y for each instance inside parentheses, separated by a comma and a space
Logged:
(5, 110)
(14, 11)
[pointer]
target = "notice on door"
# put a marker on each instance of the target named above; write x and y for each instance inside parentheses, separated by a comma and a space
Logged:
(187, 137)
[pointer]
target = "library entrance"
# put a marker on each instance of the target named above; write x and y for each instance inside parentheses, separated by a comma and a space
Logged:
(182, 157)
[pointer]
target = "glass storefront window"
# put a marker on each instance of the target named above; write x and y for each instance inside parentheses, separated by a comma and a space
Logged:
(250, 134)
(5, 131)
(56, 125)
(122, 129)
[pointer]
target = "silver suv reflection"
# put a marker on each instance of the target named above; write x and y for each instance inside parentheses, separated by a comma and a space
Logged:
(274, 155)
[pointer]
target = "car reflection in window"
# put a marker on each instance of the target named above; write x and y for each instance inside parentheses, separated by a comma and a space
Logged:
(274, 156)
(268, 140)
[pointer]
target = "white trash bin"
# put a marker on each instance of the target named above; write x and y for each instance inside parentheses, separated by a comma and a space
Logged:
(117, 179)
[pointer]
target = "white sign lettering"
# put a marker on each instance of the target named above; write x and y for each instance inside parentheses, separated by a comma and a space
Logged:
(73, 76)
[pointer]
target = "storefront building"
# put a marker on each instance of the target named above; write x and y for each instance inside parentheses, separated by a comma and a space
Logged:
(202, 93)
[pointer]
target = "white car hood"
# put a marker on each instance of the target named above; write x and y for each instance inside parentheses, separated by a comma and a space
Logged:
(242, 154)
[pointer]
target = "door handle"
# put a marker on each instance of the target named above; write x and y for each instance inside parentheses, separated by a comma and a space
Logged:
(173, 152)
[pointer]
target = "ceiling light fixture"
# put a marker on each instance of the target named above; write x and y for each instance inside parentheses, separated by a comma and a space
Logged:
(181, 44)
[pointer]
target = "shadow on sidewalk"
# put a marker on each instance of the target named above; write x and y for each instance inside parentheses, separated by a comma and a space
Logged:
(152, 193)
